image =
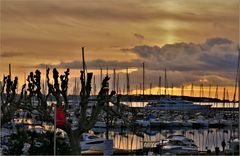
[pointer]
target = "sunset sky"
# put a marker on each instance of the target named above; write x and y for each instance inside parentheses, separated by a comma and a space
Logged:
(195, 40)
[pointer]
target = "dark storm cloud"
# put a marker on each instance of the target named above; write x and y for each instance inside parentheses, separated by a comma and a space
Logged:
(94, 64)
(227, 62)
(216, 54)
(218, 41)
(215, 60)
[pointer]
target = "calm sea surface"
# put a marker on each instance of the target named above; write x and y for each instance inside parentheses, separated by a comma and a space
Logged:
(210, 138)
(214, 104)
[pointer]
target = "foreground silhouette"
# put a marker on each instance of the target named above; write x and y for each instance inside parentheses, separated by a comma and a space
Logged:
(11, 102)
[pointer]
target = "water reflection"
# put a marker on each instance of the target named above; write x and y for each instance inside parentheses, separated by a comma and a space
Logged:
(204, 138)
(214, 104)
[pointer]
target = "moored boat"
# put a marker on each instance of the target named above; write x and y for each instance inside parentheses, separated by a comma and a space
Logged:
(169, 104)
(178, 144)
(92, 142)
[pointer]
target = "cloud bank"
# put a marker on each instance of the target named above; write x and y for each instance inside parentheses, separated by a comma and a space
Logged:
(216, 54)
(214, 61)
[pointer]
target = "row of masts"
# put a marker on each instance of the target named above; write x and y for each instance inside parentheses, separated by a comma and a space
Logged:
(140, 89)
(203, 91)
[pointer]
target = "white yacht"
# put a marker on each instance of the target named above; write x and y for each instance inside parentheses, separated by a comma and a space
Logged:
(199, 122)
(95, 143)
(179, 144)
(181, 138)
(169, 104)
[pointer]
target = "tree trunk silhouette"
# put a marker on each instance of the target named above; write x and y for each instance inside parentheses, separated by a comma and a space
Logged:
(9, 102)
(59, 91)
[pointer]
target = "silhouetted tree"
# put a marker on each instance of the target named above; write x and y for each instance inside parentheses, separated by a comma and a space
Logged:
(9, 101)
(59, 91)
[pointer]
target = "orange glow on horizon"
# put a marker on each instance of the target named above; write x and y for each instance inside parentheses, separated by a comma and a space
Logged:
(229, 92)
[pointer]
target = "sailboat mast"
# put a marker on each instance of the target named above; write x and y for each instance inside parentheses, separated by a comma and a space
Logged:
(236, 82)
(227, 95)
(150, 89)
(75, 87)
(209, 91)
(83, 64)
(136, 90)
(159, 85)
(24, 82)
(216, 94)
(143, 78)
(117, 85)
(43, 87)
(94, 85)
(140, 87)
(192, 91)
(224, 93)
(114, 79)
(182, 92)
(127, 78)
(201, 91)
(166, 83)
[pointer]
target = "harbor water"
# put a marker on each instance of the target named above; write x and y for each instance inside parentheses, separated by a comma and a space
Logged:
(214, 104)
(204, 138)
